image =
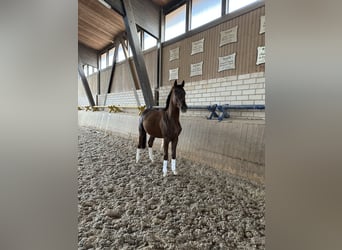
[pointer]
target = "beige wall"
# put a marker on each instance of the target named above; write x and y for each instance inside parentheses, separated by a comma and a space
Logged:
(246, 50)
(82, 96)
(123, 80)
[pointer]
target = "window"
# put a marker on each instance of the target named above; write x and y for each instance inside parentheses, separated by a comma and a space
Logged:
(121, 55)
(139, 35)
(149, 41)
(175, 23)
(111, 55)
(130, 53)
(237, 4)
(90, 70)
(204, 11)
(85, 69)
(103, 62)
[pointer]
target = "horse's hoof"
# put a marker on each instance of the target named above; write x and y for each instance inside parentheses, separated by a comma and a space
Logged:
(175, 172)
(164, 174)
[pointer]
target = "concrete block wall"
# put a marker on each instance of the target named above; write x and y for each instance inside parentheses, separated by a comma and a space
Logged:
(246, 89)
(83, 101)
(126, 99)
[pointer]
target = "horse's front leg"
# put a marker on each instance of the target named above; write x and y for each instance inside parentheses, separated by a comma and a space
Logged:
(150, 145)
(166, 151)
(173, 160)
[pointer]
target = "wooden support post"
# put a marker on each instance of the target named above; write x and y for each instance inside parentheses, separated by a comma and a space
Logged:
(224, 5)
(110, 82)
(86, 85)
(188, 16)
(117, 43)
(138, 58)
(116, 5)
(160, 57)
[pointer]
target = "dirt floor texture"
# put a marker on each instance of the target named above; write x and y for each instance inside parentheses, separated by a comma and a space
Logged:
(124, 205)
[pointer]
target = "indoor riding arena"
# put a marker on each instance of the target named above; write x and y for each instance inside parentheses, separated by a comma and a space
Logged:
(171, 114)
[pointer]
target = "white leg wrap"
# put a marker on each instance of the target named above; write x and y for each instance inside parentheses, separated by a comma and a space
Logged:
(164, 168)
(137, 158)
(173, 166)
(150, 154)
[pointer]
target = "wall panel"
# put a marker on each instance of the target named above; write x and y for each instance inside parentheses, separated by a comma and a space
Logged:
(246, 50)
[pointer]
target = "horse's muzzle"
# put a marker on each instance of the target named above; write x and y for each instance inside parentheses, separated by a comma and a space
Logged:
(184, 108)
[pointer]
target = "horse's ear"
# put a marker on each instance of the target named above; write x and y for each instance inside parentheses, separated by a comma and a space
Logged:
(175, 84)
(182, 83)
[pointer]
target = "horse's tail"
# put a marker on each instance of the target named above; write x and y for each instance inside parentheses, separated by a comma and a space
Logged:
(142, 133)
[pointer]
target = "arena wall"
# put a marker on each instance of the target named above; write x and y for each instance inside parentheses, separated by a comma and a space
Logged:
(246, 89)
(236, 146)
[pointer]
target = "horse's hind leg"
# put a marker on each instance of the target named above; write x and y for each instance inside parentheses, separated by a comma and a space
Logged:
(166, 151)
(137, 157)
(142, 141)
(173, 160)
(150, 144)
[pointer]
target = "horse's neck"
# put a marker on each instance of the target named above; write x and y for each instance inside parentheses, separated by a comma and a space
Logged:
(173, 112)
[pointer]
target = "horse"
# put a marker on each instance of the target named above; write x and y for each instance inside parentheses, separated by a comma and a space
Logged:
(163, 123)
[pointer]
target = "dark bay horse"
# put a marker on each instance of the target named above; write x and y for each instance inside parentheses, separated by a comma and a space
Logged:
(163, 123)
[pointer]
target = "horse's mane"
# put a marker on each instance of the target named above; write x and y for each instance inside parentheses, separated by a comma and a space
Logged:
(168, 100)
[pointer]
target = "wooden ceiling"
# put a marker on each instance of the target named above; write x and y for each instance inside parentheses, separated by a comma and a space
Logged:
(98, 25)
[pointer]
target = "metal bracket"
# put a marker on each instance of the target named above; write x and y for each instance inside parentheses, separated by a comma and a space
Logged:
(212, 109)
(113, 108)
(224, 110)
(220, 108)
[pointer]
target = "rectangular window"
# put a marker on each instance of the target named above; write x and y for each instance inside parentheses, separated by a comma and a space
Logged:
(130, 53)
(175, 23)
(90, 70)
(234, 5)
(149, 41)
(85, 69)
(139, 35)
(121, 55)
(111, 55)
(203, 11)
(103, 62)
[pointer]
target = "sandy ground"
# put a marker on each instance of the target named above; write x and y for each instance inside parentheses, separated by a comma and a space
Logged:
(124, 205)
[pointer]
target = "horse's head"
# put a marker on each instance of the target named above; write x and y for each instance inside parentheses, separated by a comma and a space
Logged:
(179, 96)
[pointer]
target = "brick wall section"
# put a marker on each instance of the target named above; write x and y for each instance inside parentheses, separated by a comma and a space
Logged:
(83, 101)
(246, 89)
(124, 99)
